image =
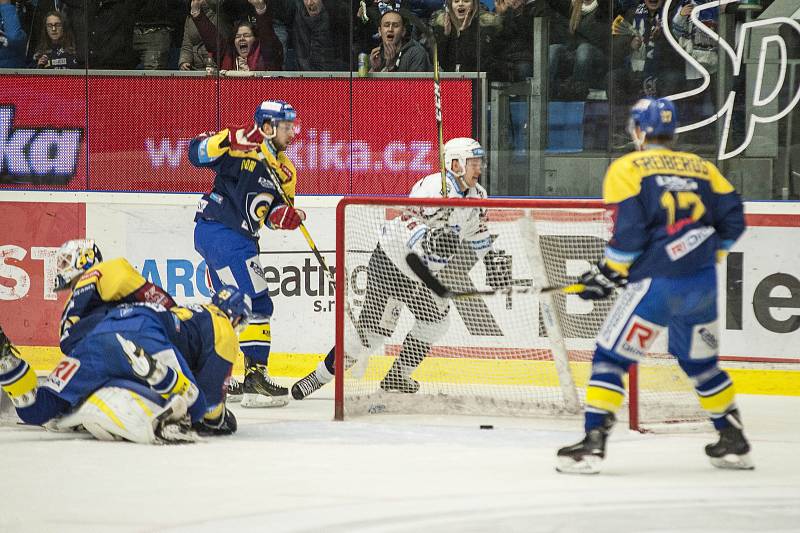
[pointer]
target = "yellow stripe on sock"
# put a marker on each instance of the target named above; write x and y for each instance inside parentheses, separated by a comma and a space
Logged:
(719, 402)
(214, 413)
(605, 399)
(25, 384)
(100, 404)
(256, 332)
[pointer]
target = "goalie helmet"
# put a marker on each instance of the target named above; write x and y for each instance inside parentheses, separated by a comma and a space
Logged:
(655, 117)
(274, 111)
(461, 149)
(235, 304)
(73, 259)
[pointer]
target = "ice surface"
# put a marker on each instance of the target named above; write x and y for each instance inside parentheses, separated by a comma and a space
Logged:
(294, 469)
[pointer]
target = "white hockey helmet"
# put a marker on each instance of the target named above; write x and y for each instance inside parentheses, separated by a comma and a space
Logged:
(461, 149)
(73, 259)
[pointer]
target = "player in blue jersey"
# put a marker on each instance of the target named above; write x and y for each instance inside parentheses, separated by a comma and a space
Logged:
(143, 373)
(675, 217)
(245, 198)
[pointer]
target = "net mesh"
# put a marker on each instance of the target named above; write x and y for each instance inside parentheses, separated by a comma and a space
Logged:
(491, 354)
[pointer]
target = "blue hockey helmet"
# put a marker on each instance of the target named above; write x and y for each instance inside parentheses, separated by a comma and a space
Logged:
(655, 117)
(235, 304)
(274, 111)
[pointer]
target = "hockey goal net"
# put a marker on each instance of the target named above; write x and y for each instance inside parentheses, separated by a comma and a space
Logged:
(516, 353)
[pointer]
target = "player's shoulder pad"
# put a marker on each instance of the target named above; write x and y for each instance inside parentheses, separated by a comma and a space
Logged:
(214, 145)
(622, 180)
(719, 184)
(106, 271)
(430, 187)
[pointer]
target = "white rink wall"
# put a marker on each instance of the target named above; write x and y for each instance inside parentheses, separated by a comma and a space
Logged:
(759, 305)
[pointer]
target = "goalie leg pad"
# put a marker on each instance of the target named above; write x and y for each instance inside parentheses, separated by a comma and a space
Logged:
(119, 413)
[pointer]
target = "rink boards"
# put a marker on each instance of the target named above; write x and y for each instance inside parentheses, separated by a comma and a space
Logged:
(759, 286)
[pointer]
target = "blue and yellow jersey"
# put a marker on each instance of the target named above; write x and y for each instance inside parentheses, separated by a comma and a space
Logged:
(209, 344)
(674, 213)
(243, 194)
(101, 287)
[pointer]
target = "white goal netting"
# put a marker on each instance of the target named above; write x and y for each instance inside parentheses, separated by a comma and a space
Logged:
(490, 354)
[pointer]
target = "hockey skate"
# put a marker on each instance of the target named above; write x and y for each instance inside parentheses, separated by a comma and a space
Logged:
(234, 391)
(9, 355)
(398, 381)
(259, 390)
(306, 386)
(586, 456)
(731, 451)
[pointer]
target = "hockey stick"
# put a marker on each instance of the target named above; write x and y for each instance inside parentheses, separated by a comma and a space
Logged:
(437, 95)
(423, 272)
(288, 201)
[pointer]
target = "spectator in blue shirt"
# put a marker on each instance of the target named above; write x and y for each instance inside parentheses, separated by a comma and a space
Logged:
(12, 38)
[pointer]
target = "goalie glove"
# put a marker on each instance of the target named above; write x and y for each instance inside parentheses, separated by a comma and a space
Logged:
(498, 269)
(286, 217)
(440, 244)
(600, 281)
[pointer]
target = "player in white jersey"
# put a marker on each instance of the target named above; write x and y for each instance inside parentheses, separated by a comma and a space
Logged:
(446, 238)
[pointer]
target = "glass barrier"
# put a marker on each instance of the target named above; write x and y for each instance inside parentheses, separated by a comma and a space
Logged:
(119, 88)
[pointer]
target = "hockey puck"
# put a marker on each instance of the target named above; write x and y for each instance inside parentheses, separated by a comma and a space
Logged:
(487, 426)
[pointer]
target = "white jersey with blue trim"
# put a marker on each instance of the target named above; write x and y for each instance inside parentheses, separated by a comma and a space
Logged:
(405, 233)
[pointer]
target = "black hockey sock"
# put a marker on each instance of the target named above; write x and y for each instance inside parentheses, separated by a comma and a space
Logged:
(330, 359)
(412, 353)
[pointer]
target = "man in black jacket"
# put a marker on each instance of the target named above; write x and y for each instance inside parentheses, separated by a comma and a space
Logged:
(104, 32)
(319, 32)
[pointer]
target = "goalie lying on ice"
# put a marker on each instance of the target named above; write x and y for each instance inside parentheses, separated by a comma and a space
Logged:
(144, 374)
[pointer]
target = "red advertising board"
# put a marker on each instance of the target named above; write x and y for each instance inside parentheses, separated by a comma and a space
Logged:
(354, 136)
(30, 237)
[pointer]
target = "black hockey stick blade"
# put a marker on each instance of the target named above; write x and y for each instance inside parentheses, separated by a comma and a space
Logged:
(422, 271)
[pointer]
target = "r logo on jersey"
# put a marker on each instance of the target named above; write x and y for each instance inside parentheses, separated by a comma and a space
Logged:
(64, 372)
(636, 338)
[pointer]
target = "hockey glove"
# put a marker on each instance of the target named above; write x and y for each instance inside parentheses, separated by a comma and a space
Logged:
(440, 244)
(600, 281)
(242, 140)
(286, 217)
(498, 269)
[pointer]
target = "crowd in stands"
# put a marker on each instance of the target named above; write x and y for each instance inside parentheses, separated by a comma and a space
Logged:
(593, 44)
